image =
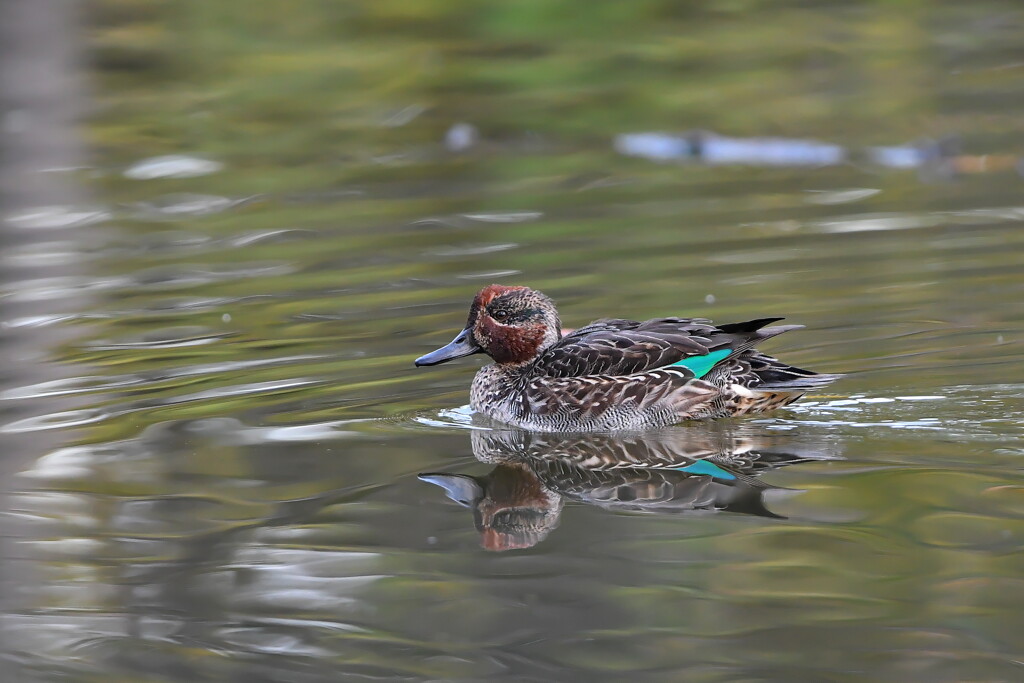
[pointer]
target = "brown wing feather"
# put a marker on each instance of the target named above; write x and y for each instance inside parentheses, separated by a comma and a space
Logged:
(624, 347)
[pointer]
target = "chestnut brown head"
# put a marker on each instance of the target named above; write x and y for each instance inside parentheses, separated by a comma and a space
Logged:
(512, 325)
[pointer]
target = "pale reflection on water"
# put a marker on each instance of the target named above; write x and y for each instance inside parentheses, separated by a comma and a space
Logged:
(214, 437)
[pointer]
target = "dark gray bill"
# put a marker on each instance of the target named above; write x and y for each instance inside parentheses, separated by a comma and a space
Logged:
(462, 345)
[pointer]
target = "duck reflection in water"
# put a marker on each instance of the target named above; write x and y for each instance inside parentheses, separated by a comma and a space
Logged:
(518, 503)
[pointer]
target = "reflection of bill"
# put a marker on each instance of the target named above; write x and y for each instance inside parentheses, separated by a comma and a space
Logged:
(518, 503)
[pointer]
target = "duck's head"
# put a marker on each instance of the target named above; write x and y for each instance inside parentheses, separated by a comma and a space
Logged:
(512, 325)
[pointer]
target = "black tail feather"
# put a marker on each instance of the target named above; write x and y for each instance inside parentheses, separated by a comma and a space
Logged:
(774, 375)
(748, 326)
(747, 335)
(797, 382)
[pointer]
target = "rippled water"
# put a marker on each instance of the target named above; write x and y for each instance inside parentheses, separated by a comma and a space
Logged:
(221, 464)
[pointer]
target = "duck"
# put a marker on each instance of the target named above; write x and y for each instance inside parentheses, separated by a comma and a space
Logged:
(616, 374)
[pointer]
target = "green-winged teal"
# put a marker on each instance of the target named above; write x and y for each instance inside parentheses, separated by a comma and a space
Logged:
(617, 374)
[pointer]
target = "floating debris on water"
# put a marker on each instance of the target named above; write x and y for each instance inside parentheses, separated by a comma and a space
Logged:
(713, 149)
(461, 137)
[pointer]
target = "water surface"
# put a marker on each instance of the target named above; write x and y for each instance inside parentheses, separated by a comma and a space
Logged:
(215, 432)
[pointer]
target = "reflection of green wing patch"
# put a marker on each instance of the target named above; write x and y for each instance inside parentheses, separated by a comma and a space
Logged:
(701, 365)
(705, 467)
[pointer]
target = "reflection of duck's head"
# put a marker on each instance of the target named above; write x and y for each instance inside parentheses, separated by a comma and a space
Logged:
(512, 509)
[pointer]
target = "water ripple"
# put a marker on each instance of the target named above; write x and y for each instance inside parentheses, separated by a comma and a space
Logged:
(175, 206)
(172, 166)
(80, 417)
(96, 383)
(56, 217)
(163, 339)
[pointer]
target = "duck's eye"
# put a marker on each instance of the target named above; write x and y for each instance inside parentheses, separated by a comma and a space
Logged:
(501, 315)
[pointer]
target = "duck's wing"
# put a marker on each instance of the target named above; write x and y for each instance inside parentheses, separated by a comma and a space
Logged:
(627, 347)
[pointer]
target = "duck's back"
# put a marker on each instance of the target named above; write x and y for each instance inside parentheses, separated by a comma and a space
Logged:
(625, 347)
